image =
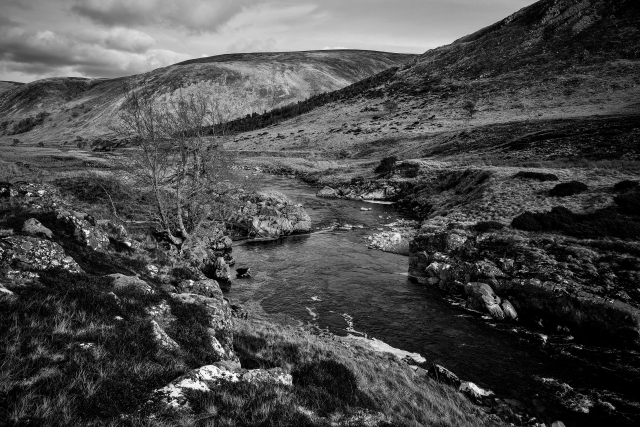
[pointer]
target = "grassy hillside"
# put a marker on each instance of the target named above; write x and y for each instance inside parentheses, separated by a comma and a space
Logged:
(562, 77)
(87, 107)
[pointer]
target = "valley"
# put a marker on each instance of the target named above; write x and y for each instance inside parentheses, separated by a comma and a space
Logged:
(475, 206)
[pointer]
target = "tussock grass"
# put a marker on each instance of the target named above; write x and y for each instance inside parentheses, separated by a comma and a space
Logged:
(332, 377)
(66, 359)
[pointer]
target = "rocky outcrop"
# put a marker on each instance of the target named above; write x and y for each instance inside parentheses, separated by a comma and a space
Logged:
(530, 285)
(175, 396)
(218, 315)
(84, 229)
(207, 288)
(33, 254)
(272, 215)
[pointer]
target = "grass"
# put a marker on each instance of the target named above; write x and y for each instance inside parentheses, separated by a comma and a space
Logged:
(332, 378)
(48, 373)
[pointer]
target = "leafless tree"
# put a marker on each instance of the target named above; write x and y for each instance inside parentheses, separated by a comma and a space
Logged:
(180, 156)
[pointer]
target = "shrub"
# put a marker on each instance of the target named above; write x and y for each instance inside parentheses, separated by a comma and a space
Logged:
(387, 165)
(568, 189)
(470, 107)
(539, 176)
(625, 185)
(28, 123)
(486, 226)
(603, 223)
(629, 202)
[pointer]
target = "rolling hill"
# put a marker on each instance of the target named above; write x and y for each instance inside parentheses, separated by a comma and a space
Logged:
(74, 106)
(560, 78)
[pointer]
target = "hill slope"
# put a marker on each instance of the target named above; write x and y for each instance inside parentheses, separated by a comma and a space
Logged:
(86, 107)
(553, 61)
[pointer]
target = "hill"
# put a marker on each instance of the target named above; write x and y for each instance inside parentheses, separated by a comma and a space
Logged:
(541, 79)
(74, 106)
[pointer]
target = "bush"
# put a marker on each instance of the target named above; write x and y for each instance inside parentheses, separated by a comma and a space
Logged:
(568, 189)
(538, 176)
(486, 226)
(625, 185)
(387, 165)
(28, 123)
(629, 202)
(603, 223)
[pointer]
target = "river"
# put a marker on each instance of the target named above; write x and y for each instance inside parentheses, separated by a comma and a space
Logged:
(330, 278)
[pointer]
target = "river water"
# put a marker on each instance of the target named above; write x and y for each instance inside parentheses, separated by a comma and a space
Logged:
(331, 279)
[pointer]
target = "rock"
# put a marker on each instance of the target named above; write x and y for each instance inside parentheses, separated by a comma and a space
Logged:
(267, 376)
(443, 375)
(509, 310)
(83, 231)
(175, 395)
(487, 270)
(31, 253)
(327, 192)
(34, 228)
(5, 190)
(208, 288)
(162, 339)
(218, 315)
(120, 281)
(476, 393)
(453, 242)
(243, 272)
(238, 311)
(481, 297)
(219, 270)
(6, 293)
(274, 216)
(365, 209)
(557, 424)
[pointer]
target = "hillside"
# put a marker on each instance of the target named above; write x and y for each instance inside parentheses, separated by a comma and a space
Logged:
(544, 76)
(87, 107)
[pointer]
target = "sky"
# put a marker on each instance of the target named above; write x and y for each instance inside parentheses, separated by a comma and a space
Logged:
(112, 38)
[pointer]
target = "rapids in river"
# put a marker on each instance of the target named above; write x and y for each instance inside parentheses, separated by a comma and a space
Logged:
(330, 279)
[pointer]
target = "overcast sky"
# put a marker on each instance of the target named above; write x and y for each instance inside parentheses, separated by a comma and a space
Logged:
(110, 38)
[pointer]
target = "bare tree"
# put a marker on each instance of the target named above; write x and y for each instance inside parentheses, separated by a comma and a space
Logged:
(180, 155)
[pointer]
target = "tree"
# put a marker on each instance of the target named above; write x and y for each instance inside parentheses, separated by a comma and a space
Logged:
(470, 107)
(180, 158)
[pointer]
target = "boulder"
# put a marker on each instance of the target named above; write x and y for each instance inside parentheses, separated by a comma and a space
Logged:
(83, 231)
(243, 272)
(274, 216)
(34, 228)
(443, 375)
(327, 192)
(474, 392)
(481, 297)
(509, 310)
(162, 339)
(219, 270)
(31, 253)
(120, 281)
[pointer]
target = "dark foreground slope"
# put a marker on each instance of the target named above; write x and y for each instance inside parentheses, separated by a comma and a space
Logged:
(87, 107)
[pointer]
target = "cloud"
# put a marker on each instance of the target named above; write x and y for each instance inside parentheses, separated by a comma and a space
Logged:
(249, 46)
(107, 54)
(192, 15)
